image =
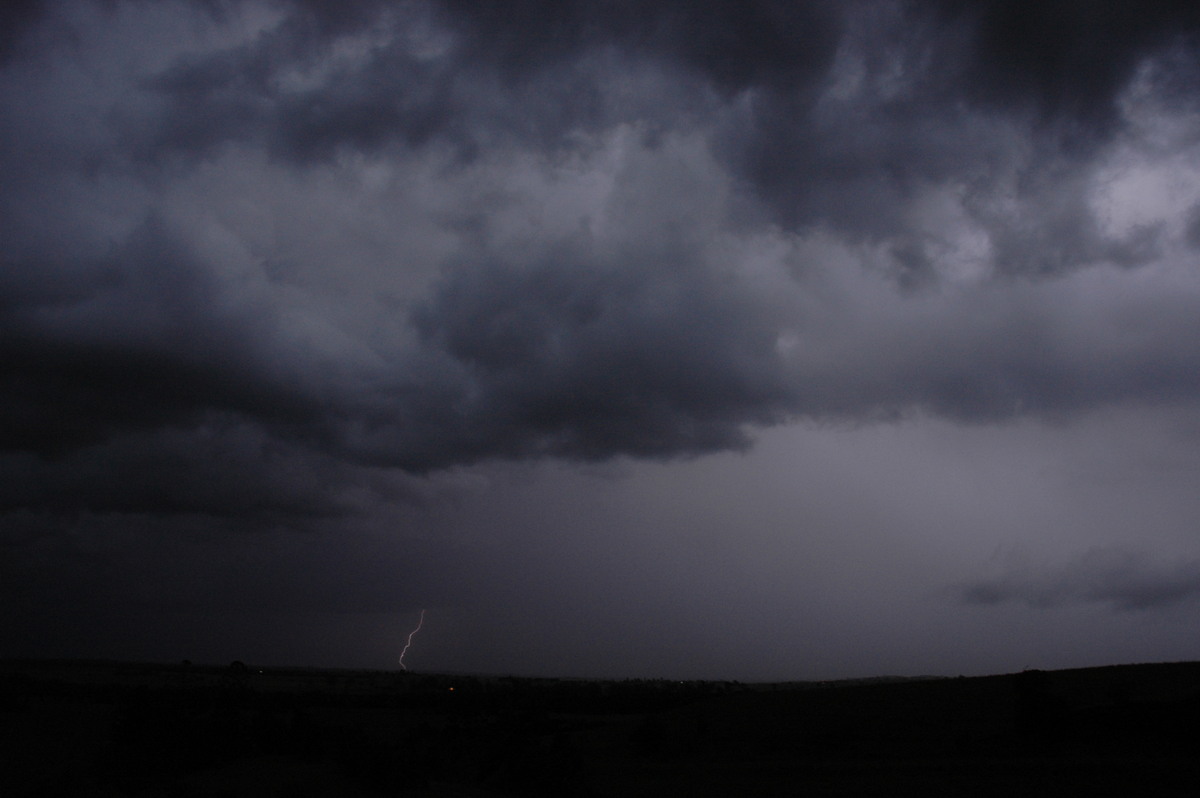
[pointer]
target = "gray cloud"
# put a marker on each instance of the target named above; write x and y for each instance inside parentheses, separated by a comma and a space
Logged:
(300, 265)
(143, 339)
(1122, 579)
(652, 359)
(1064, 59)
(833, 118)
(14, 20)
(637, 340)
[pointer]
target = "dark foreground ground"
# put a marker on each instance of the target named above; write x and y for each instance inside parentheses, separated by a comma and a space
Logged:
(110, 729)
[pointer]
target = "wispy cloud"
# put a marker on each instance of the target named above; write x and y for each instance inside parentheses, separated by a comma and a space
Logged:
(1120, 578)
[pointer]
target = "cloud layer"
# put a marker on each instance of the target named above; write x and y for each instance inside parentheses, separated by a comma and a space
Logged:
(292, 261)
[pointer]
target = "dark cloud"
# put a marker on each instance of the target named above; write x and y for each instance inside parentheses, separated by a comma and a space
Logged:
(774, 45)
(565, 357)
(15, 18)
(1192, 232)
(299, 267)
(1119, 578)
(142, 339)
(649, 350)
(217, 467)
(243, 94)
(830, 115)
(1064, 59)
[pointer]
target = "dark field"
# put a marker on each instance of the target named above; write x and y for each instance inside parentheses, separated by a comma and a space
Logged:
(110, 729)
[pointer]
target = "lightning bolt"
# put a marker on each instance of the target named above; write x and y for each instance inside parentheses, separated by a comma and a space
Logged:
(408, 643)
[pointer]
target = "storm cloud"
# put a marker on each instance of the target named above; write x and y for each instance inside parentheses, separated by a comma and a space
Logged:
(329, 265)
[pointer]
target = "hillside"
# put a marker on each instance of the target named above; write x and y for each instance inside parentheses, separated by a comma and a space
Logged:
(140, 730)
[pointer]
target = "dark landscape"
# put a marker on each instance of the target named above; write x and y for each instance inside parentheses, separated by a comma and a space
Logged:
(125, 729)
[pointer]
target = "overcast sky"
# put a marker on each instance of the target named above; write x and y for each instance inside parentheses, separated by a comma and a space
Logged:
(754, 340)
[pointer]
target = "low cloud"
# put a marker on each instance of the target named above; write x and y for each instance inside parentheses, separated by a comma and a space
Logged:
(1122, 579)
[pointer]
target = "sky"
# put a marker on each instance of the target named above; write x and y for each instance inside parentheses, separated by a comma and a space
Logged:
(678, 339)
